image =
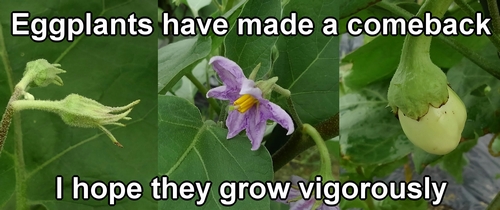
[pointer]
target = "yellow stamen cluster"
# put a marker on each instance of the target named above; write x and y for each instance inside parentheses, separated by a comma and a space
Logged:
(245, 102)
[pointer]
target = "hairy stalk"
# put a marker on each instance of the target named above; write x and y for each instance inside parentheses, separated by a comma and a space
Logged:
(7, 118)
(9, 112)
(419, 46)
(21, 200)
(20, 171)
(495, 15)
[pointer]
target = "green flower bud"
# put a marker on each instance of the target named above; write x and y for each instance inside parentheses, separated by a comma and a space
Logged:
(28, 96)
(42, 73)
(78, 111)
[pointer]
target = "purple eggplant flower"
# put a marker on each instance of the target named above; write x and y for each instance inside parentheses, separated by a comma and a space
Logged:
(250, 110)
(298, 203)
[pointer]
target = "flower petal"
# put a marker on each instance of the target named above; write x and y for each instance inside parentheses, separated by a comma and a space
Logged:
(325, 207)
(229, 72)
(248, 87)
(223, 93)
(256, 127)
(295, 180)
(277, 114)
(293, 193)
(235, 123)
(302, 204)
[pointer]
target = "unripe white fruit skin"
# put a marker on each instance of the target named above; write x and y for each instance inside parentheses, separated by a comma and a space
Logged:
(440, 130)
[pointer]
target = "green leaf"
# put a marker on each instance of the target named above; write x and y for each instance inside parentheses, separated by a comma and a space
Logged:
(385, 52)
(455, 161)
(113, 70)
(193, 150)
(422, 159)
(386, 169)
(363, 71)
(249, 51)
(495, 146)
(174, 59)
(369, 131)
(231, 15)
(308, 66)
(333, 148)
(187, 89)
(389, 204)
(480, 93)
(279, 206)
(350, 7)
(356, 203)
(370, 12)
(196, 5)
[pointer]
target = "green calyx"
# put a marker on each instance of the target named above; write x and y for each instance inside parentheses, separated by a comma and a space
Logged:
(269, 85)
(416, 85)
(266, 86)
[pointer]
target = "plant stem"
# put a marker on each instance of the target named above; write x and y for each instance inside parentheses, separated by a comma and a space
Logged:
(9, 112)
(16, 105)
(479, 60)
(294, 113)
(297, 144)
(495, 39)
(408, 172)
(369, 199)
(419, 46)
(471, 55)
(44, 105)
(282, 91)
(7, 117)
(495, 15)
(172, 92)
(217, 4)
(203, 90)
(17, 91)
(21, 201)
(369, 202)
(326, 163)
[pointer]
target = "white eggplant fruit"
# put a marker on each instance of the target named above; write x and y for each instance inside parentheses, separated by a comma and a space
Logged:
(440, 130)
